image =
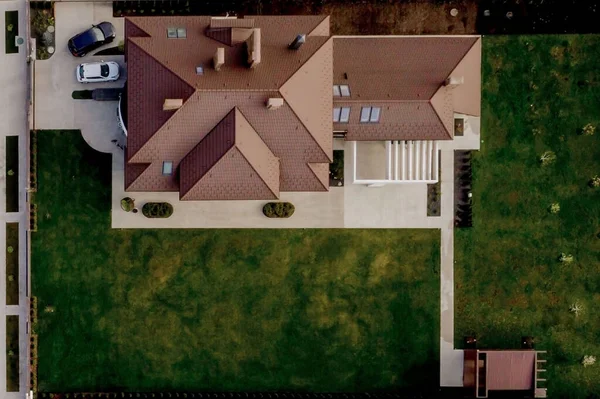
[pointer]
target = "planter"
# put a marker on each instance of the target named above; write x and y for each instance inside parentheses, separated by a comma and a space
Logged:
(157, 209)
(278, 210)
(127, 204)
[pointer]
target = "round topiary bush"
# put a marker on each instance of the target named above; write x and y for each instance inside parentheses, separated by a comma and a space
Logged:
(157, 209)
(127, 204)
(278, 209)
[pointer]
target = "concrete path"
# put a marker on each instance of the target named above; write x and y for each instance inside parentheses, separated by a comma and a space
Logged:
(13, 112)
(451, 360)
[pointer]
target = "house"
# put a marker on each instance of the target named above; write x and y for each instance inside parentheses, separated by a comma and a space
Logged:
(512, 372)
(244, 109)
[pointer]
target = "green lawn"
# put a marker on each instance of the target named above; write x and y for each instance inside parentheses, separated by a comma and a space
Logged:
(304, 310)
(12, 263)
(538, 93)
(11, 31)
(12, 173)
(12, 353)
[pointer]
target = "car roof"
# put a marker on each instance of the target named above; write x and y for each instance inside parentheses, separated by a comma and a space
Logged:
(92, 69)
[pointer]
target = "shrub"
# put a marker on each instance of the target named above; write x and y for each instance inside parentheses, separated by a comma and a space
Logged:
(278, 210)
(588, 360)
(554, 208)
(595, 182)
(565, 258)
(127, 204)
(547, 158)
(157, 209)
(589, 130)
(10, 249)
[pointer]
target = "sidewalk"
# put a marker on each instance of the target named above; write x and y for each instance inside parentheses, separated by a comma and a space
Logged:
(13, 103)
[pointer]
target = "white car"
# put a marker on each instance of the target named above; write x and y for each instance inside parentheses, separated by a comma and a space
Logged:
(97, 72)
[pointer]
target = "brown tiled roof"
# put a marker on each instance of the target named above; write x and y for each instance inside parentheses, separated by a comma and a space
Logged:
(404, 76)
(399, 120)
(298, 133)
(149, 84)
(233, 135)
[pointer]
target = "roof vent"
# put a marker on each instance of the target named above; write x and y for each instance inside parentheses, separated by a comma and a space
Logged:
(253, 44)
(274, 103)
(298, 42)
(453, 81)
(199, 70)
(172, 104)
(219, 58)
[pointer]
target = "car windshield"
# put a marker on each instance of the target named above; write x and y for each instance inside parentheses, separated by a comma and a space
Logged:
(104, 70)
(98, 34)
(81, 71)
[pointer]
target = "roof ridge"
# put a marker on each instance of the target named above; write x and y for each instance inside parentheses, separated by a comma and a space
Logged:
(292, 108)
(244, 155)
(174, 113)
(131, 20)
(463, 56)
(310, 166)
(437, 113)
(159, 61)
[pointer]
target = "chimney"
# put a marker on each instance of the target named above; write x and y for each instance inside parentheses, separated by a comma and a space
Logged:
(219, 58)
(172, 104)
(298, 42)
(274, 103)
(253, 44)
(454, 81)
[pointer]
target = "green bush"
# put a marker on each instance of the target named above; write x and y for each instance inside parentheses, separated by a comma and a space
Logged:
(278, 210)
(157, 209)
(127, 204)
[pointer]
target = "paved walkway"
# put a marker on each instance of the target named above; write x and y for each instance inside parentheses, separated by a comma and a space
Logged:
(13, 112)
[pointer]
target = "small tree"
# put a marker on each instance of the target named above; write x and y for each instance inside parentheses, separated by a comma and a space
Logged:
(589, 130)
(576, 308)
(565, 258)
(595, 182)
(547, 158)
(554, 207)
(10, 249)
(588, 360)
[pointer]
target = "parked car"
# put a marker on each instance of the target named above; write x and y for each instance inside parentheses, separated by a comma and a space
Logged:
(91, 39)
(97, 72)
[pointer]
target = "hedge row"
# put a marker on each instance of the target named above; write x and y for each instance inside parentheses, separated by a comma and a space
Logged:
(278, 210)
(157, 209)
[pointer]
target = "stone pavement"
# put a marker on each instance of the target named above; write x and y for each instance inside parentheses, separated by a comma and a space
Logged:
(13, 110)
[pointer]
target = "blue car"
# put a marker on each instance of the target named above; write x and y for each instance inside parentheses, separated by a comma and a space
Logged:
(91, 39)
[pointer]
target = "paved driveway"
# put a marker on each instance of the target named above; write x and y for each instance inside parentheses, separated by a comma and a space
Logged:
(55, 79)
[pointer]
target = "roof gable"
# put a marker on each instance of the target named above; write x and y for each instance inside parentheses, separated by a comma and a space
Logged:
(149, 84)
(234, 154)
(406, 68)
(308, 92)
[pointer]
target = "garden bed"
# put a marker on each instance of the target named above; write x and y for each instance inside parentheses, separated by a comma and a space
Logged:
(12, 173)
(158, 210)
(12, 353)
(43, 28)
(82, 95)
(11, 31)
(12, 263)
(463, 174)
(336, 169)
(434, 195)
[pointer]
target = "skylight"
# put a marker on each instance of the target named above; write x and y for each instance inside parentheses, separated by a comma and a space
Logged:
(167, 168)
(341, 91)
(370, 114)
(176, 32)
(345, 90)
(345, 115)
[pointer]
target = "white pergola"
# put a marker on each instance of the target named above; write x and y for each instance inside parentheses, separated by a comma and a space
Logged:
(406, 162)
